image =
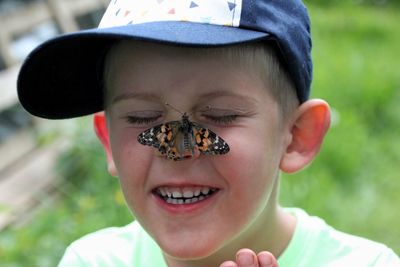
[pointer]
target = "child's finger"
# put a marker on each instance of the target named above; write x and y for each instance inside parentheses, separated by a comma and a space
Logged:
(266, 259)
(246, 258)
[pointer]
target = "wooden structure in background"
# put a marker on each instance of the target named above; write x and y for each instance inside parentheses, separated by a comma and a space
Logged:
(26, 170)
(63, 12)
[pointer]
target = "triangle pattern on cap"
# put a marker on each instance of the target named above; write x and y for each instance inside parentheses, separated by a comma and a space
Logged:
(193, 5)
(216, 12)
(231, 6)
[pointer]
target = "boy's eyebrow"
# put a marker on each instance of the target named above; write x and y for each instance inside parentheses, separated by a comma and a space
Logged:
(140, 96)
(221, 93)
(154, 97)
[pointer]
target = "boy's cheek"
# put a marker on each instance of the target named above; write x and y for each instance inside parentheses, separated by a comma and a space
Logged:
(249, 158)
(245, 146)
(240, 162)
(129, 154)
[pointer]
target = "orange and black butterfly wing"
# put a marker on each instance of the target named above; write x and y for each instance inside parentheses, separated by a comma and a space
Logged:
(209, 142)
(177, 142)
(161, 137)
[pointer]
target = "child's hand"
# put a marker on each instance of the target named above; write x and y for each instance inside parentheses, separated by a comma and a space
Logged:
(247, 258)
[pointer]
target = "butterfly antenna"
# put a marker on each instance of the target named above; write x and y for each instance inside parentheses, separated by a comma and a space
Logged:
(174, 108)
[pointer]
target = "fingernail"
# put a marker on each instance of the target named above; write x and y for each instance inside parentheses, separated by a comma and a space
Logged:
(228, 264)
(245, 259)
(265, 260)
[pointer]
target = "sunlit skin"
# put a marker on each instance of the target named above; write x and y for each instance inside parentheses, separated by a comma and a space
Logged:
(244, 211)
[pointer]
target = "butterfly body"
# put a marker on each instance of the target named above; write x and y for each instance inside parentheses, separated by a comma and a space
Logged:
(183, 139)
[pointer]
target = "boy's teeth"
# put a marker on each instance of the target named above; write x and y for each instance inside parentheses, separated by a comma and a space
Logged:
(176, 194)
(196, 192)
(205, 190)
(162, 191)
(186, 195)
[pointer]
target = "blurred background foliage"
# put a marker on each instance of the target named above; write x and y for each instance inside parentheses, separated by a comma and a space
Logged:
(353, 184)
(351, 2)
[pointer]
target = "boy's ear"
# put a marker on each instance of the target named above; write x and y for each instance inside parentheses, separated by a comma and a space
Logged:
(312, 120)
(100, 127)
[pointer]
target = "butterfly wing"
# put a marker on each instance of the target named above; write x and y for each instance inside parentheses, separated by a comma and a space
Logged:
(178, 142)
(149, 136)
(161, 136)
(209, 142)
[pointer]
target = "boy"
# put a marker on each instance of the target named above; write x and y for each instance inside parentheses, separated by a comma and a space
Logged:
(205, 103)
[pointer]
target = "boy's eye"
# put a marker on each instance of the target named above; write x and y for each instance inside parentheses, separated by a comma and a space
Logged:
(221, 119)
(141, 120)
(221, 116)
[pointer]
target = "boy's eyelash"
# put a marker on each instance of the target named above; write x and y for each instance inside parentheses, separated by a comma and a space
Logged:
(141, 120)
(226, 119)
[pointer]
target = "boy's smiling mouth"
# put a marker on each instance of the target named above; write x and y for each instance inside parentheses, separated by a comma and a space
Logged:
(184, 195)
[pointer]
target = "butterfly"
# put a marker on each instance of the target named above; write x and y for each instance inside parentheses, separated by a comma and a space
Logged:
(183, 139)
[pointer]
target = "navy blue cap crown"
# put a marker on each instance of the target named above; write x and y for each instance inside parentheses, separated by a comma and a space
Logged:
(60, 78)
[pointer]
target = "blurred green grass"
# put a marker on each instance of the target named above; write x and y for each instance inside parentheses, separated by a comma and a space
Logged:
(353, 184)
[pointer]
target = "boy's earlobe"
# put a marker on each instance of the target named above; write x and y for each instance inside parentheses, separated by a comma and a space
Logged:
(100, 127)
(307, 133)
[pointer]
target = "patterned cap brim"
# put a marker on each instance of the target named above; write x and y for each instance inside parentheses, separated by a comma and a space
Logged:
(62, 77)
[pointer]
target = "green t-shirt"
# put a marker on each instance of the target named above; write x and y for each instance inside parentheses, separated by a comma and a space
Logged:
(314, 244)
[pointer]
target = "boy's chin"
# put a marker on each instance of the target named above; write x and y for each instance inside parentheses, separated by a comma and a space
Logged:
(188, 250)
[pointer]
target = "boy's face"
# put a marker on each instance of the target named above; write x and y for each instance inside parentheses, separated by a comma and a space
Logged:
(227, 98)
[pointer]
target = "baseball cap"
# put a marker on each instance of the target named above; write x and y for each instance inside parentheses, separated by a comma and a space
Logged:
(61, 78)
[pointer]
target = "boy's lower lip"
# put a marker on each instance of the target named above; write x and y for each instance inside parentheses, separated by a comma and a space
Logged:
(184, 208)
